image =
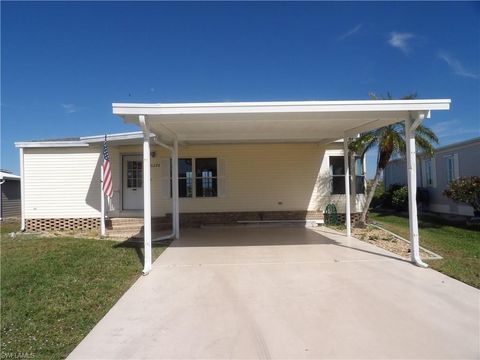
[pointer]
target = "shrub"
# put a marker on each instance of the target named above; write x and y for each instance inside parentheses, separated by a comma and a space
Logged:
(465, 190)
(379, 194)
(400, 198)
(386, 198)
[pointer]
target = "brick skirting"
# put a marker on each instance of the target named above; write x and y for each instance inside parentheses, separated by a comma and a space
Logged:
(354, 217)
(62, 224)
(190, 220)
(187, 220)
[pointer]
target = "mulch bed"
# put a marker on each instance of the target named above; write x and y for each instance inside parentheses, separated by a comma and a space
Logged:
(385, 240)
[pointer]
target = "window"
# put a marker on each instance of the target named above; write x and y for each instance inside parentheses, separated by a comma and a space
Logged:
(185, 180)
(360, 176)
(337, 172)
(134, 174)
(206, 177)
(204, 184)
(450, 168)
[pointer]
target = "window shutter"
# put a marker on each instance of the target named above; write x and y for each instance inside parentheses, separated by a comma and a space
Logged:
(221, 178)
(456, 173)
(165, 178)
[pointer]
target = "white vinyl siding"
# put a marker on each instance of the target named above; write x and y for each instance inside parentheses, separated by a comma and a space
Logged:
(62, 183)
(250, 177)
(257, 177)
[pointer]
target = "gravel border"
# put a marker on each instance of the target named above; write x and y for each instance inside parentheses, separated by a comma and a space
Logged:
(387, 240)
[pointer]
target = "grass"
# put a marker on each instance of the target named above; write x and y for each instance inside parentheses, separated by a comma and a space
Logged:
(458, 244)
(55, 289)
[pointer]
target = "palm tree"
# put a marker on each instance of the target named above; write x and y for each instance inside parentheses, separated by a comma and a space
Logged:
(389, 140)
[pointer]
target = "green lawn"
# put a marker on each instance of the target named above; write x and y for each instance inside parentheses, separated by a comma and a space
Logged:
(54, 290)
(459, 245)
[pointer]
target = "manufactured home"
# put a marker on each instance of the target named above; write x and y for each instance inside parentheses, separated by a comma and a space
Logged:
(218, 183)
(196, 164)
(434, 174)
(10, 200)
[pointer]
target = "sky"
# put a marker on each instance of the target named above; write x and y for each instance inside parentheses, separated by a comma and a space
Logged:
(64, 64)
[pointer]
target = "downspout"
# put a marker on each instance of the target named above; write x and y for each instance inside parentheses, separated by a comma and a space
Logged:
(22, 190)
(410, 126)
(348, 222)
(147, 198)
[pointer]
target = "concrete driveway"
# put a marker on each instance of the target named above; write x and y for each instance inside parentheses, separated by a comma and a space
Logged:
(286, 293)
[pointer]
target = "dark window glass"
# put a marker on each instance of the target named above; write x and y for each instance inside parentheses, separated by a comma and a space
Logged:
(336, 165)
(360, 185)
(359, 181)
(206, 167)
(206, 173)
(206, 187)
(185, 183)
(338, 185)
(337, 171)
(184, 168)
(134, 174)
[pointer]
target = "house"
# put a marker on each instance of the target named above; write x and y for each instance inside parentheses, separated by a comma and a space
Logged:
(204, 163)
(10, 201)
(218, 183)
(434, 174)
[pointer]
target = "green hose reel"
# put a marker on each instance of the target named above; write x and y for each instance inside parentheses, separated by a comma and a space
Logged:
(330, 216)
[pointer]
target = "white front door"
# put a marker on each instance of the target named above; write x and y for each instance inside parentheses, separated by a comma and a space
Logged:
(132, 182)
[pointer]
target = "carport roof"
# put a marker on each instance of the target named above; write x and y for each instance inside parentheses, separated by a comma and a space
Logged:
(292, 121)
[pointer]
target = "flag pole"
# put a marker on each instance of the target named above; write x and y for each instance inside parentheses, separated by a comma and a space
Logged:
(102, 197)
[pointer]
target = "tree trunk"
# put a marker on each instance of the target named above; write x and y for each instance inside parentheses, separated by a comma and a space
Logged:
(376, 179)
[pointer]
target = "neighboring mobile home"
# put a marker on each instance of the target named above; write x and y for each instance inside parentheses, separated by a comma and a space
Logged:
(226, 163)
(450, 162)
(10, 204)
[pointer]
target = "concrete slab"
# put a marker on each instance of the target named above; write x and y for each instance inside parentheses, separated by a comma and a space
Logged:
(286, 293)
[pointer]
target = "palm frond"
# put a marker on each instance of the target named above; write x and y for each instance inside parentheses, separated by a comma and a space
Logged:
(427, 133)
(424, 145)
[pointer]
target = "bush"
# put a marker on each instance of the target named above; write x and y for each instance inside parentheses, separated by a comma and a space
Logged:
(465, 190)
(386, 198)
(379, 194)
(400, 198)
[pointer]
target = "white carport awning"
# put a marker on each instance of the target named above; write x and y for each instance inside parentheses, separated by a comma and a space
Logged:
(293, 121)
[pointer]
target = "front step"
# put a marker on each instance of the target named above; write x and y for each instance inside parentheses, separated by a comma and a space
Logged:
(131, 227)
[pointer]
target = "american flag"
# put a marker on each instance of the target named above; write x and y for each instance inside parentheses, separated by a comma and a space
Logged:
(107, 171)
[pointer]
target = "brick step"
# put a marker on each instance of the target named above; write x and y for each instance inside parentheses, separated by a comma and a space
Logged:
(129, 227)
(135, 221)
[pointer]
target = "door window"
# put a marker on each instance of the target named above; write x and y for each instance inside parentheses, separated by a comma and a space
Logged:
(134, 174)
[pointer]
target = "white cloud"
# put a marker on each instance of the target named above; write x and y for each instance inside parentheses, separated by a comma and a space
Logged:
(69, 108)
(401, 41)
(451, 128)
(456, 66)
(350, 32)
